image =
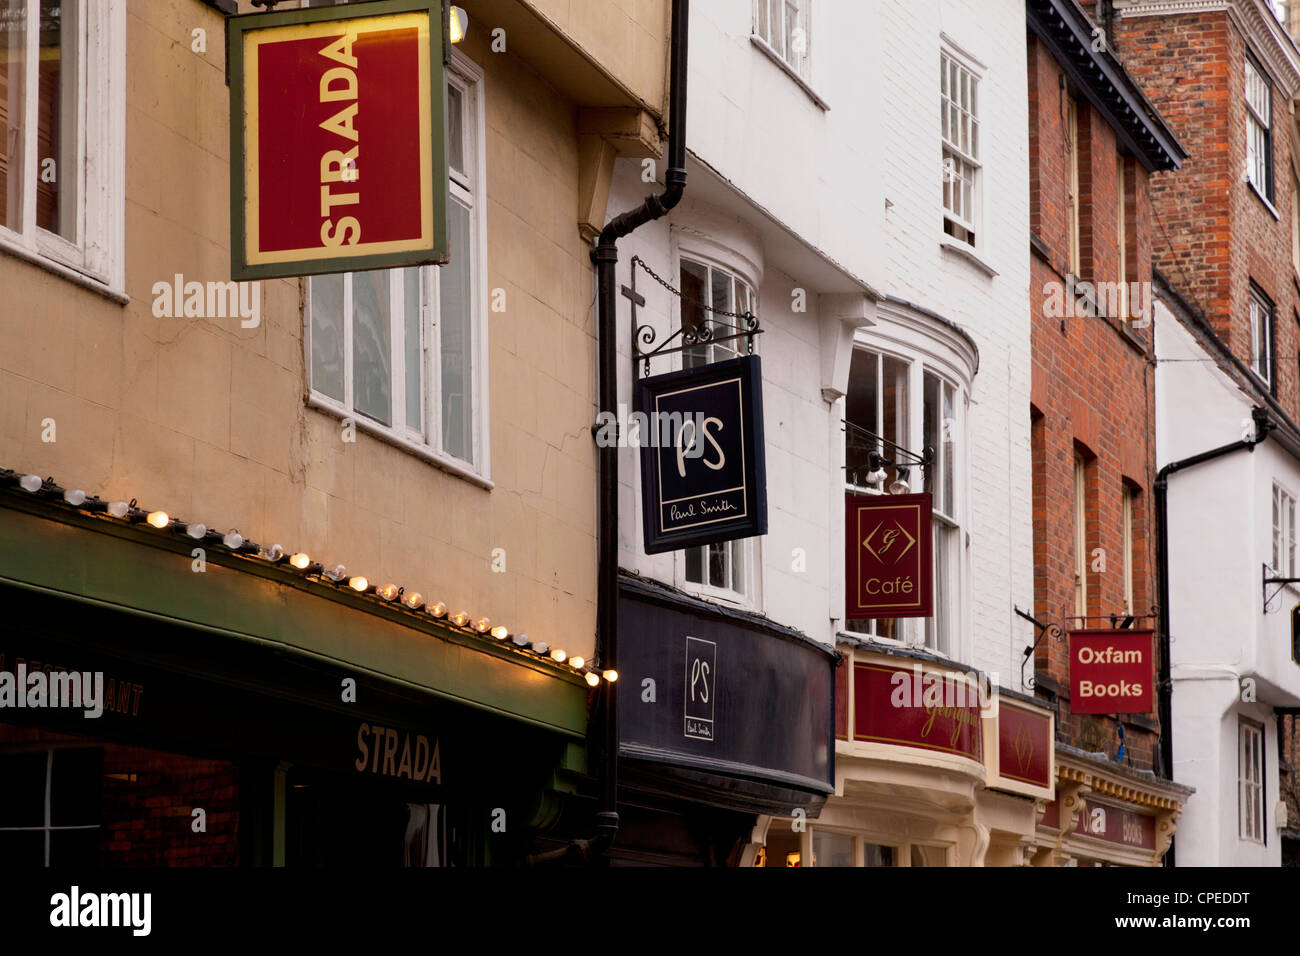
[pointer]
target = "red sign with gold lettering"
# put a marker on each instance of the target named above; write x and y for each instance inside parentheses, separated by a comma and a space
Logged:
(930, 711)
(1024, 745)
(338, 157)
(1112, 672)
(888, 567)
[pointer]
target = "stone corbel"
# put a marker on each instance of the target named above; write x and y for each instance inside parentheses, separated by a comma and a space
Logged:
(603, 136)
(757, 840)
(1166, 826)
(841, 315)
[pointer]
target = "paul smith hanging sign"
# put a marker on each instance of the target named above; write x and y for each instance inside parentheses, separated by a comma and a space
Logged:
(337, 139)
(702, 464)
(887, 563)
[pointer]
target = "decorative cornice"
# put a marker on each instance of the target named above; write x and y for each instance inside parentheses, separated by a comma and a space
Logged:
(1267, 37)
(1119, 783)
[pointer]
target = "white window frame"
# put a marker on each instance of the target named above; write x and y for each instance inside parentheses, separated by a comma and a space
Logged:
(1262, 320)
(798, 12)
(1259, 129)
(94, 258)
(917, 350)
(1121, 232)
(1283, 556)
(960, 154)
(1080, 536)
(1251, 781)
(1073, 202)
(717, 257)
(1128, 499)
(468, 186)
(47, 828)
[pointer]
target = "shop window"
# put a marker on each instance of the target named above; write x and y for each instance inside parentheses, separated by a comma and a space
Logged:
(1250, 781)
(403, 351)
(1262, 360)
(1284, 564)
(1259, 129)
(923, 855)
(62, 83)
(832, 849)
(784, 26)
(50, 807)
(960, 133)
(728, 567)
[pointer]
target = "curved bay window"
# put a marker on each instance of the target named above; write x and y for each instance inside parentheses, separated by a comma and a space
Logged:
(728, 567)
(909, 402)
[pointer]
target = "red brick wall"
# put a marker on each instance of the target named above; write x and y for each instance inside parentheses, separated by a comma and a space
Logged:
(1216, 234)
(1092, 390)
(146, 802)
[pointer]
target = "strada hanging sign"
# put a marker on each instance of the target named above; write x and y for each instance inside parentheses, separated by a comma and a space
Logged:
(337, 139)
(1111, 672)
(702, 461)
(888, 568)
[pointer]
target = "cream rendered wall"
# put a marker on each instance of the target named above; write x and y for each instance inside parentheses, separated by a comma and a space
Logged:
(208, 420)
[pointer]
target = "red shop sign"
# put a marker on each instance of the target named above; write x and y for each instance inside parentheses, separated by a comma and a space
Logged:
(888, 567)
(1112, 672)
(338, 139)
(890, 707)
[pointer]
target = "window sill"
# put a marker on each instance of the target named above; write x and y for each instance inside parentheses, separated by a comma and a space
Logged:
(439, 459)
(771, 54)
(963, 251)
(21, 251)
(1264, 199)
(722, 596)
(1131, 337)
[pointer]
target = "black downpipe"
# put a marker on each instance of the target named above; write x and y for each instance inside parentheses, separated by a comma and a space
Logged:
(1165, 685)
(605, 257)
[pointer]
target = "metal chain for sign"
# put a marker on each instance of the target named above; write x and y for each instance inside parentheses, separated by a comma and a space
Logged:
(706, 333)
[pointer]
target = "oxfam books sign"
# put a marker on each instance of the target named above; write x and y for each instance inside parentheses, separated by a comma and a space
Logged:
(337, 139)
(703, 475)
(1111, 672)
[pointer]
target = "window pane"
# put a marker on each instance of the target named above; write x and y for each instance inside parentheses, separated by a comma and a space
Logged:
(455, 302)
(414, 349)
(876, 855)
(694, 286)
(860, 410)
(718, 565)
(455, 128)
(327, 335)
(13, 31)
(22, 849)
(832, 849)
(895, 407)
(75, 848)
(930, 430)
(74, 787)
(22, 797)
(737, 549)
(57, 120)
(695, 565)
(371, 346)
(928, 855)
(946, 428)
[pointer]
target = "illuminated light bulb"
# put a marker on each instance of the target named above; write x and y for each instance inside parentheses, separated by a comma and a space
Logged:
(576, 663)
(358, 583)
(438, 609)
(231, 539)
(388, 592)
(610, 675)
(75, 497)
(457, 24)
(460, 618)
(31, 483)
(196, 531)
(118, 509)
(299, 561)
(481, 625)
(414, 600)
(158, 519)
(541, 647)
(337, 573)
(558, 656)
(500, 632)
(592, 680)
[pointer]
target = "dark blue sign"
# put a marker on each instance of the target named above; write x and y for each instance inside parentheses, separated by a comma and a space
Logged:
(702, 455)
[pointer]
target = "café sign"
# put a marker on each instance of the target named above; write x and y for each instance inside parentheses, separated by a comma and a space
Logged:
(888, 566)
(337, 139)
(703, 475)
(1111, 672)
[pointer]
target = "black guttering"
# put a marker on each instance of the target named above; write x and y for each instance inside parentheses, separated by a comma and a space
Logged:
(605, 257)
(1067, 33)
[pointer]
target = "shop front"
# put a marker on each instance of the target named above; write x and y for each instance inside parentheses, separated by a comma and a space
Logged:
(935, 766)
(725, 719)
(240, 715)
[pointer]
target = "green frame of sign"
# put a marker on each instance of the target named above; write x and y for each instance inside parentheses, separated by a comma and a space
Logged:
(236, 27)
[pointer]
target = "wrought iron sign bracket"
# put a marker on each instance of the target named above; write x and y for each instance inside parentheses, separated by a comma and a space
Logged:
(1280, 582)
(1044, 630)
(704, 334)
(862, 439)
